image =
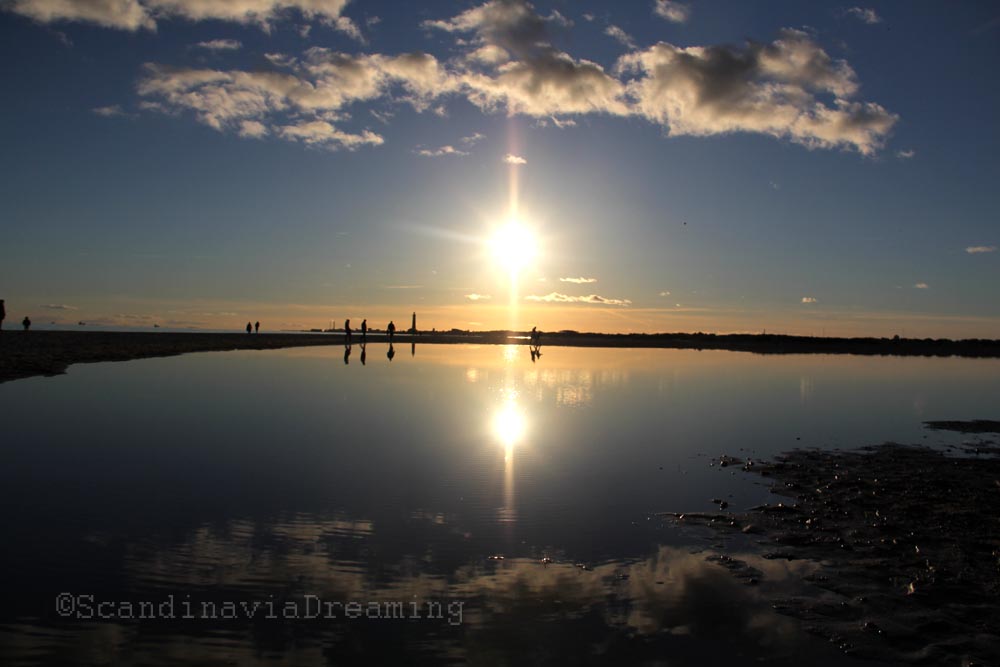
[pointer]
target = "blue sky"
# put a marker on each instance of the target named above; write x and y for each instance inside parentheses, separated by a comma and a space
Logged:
(799, 167)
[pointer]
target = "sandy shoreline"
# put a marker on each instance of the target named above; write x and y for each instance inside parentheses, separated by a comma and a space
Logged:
(907, 538)
(27, 354)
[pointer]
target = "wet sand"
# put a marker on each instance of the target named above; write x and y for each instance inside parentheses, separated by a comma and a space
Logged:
(26, 354)
(907, 539)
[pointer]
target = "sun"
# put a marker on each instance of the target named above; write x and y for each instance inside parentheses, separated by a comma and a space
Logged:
(513, 246)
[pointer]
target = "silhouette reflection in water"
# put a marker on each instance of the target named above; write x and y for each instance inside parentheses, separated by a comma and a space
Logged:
(364, 352)
(391, 353)
(413, 349)
(347, 354)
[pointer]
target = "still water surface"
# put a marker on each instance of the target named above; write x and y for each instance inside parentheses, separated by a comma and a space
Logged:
(505, 506)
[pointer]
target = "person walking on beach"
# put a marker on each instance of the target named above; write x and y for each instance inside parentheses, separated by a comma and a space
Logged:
(256, 327)
(392, 331)
(249, 328)
(3, 314)
(347, 331)
(364, 331)
(26, 323)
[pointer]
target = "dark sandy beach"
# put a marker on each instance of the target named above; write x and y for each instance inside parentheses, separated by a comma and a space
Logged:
(907, 538)
(26, 354)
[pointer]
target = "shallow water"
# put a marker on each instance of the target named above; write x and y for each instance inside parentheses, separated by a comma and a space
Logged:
(190, 489)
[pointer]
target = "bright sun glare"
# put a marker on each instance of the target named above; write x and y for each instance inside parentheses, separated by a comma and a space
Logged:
(509, 425)
(513, 246)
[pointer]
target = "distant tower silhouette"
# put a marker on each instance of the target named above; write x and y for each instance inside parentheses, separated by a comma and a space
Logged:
(413, 326)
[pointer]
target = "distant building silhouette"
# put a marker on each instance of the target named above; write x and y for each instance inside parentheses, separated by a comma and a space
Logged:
(413, 324)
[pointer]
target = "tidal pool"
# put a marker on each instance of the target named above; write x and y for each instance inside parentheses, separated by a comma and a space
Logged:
(444, 503)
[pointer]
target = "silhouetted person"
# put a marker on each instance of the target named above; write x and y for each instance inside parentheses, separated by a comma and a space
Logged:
(256, 327)
(364, 352)
(347, 353)
(364, 331)
(391, 353)
(249, 328)
(26, 323)
(3, 313)
(534, 333)
(392, 332)
(347, 331)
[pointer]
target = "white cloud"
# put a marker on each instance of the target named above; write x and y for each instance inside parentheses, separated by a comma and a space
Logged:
(109, 111)
(578, 281)
(133, 15)
(119, 14)
(977, 249)
(789, 88)
(439, 152)
(809, 299)
(323, 134)
(221, 45)
(510, 158)
(253, 129)
(478, 297)
(906, 155)
(922, 286)
(869, 16)
(473, 139)
(59, 306)
(538, 80)
(675, 12)
(664, 293)
(620, 35)
(556, 297)
(766, 88)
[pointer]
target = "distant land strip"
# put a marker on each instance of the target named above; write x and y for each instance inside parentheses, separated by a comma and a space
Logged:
(29, 353)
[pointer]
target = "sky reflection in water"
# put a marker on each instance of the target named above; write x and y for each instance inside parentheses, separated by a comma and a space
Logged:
(276, 475)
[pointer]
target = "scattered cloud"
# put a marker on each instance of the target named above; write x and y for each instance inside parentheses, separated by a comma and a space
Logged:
(675, 12)
(809, 299)
(473, 139)
(977, 249)
(513, 66)
(664, 293)
(221, 45)
(620, 35)
(440, 152)
(556, 297)
(922, 286)
(253, 129)
(506, 63)
(510, 158)
(906, 155)
(59, 306)
(578, 281)
(866, 15)
(324, 135)
(109, 111)
(771, 89)
(133, 15)
(478, 297)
